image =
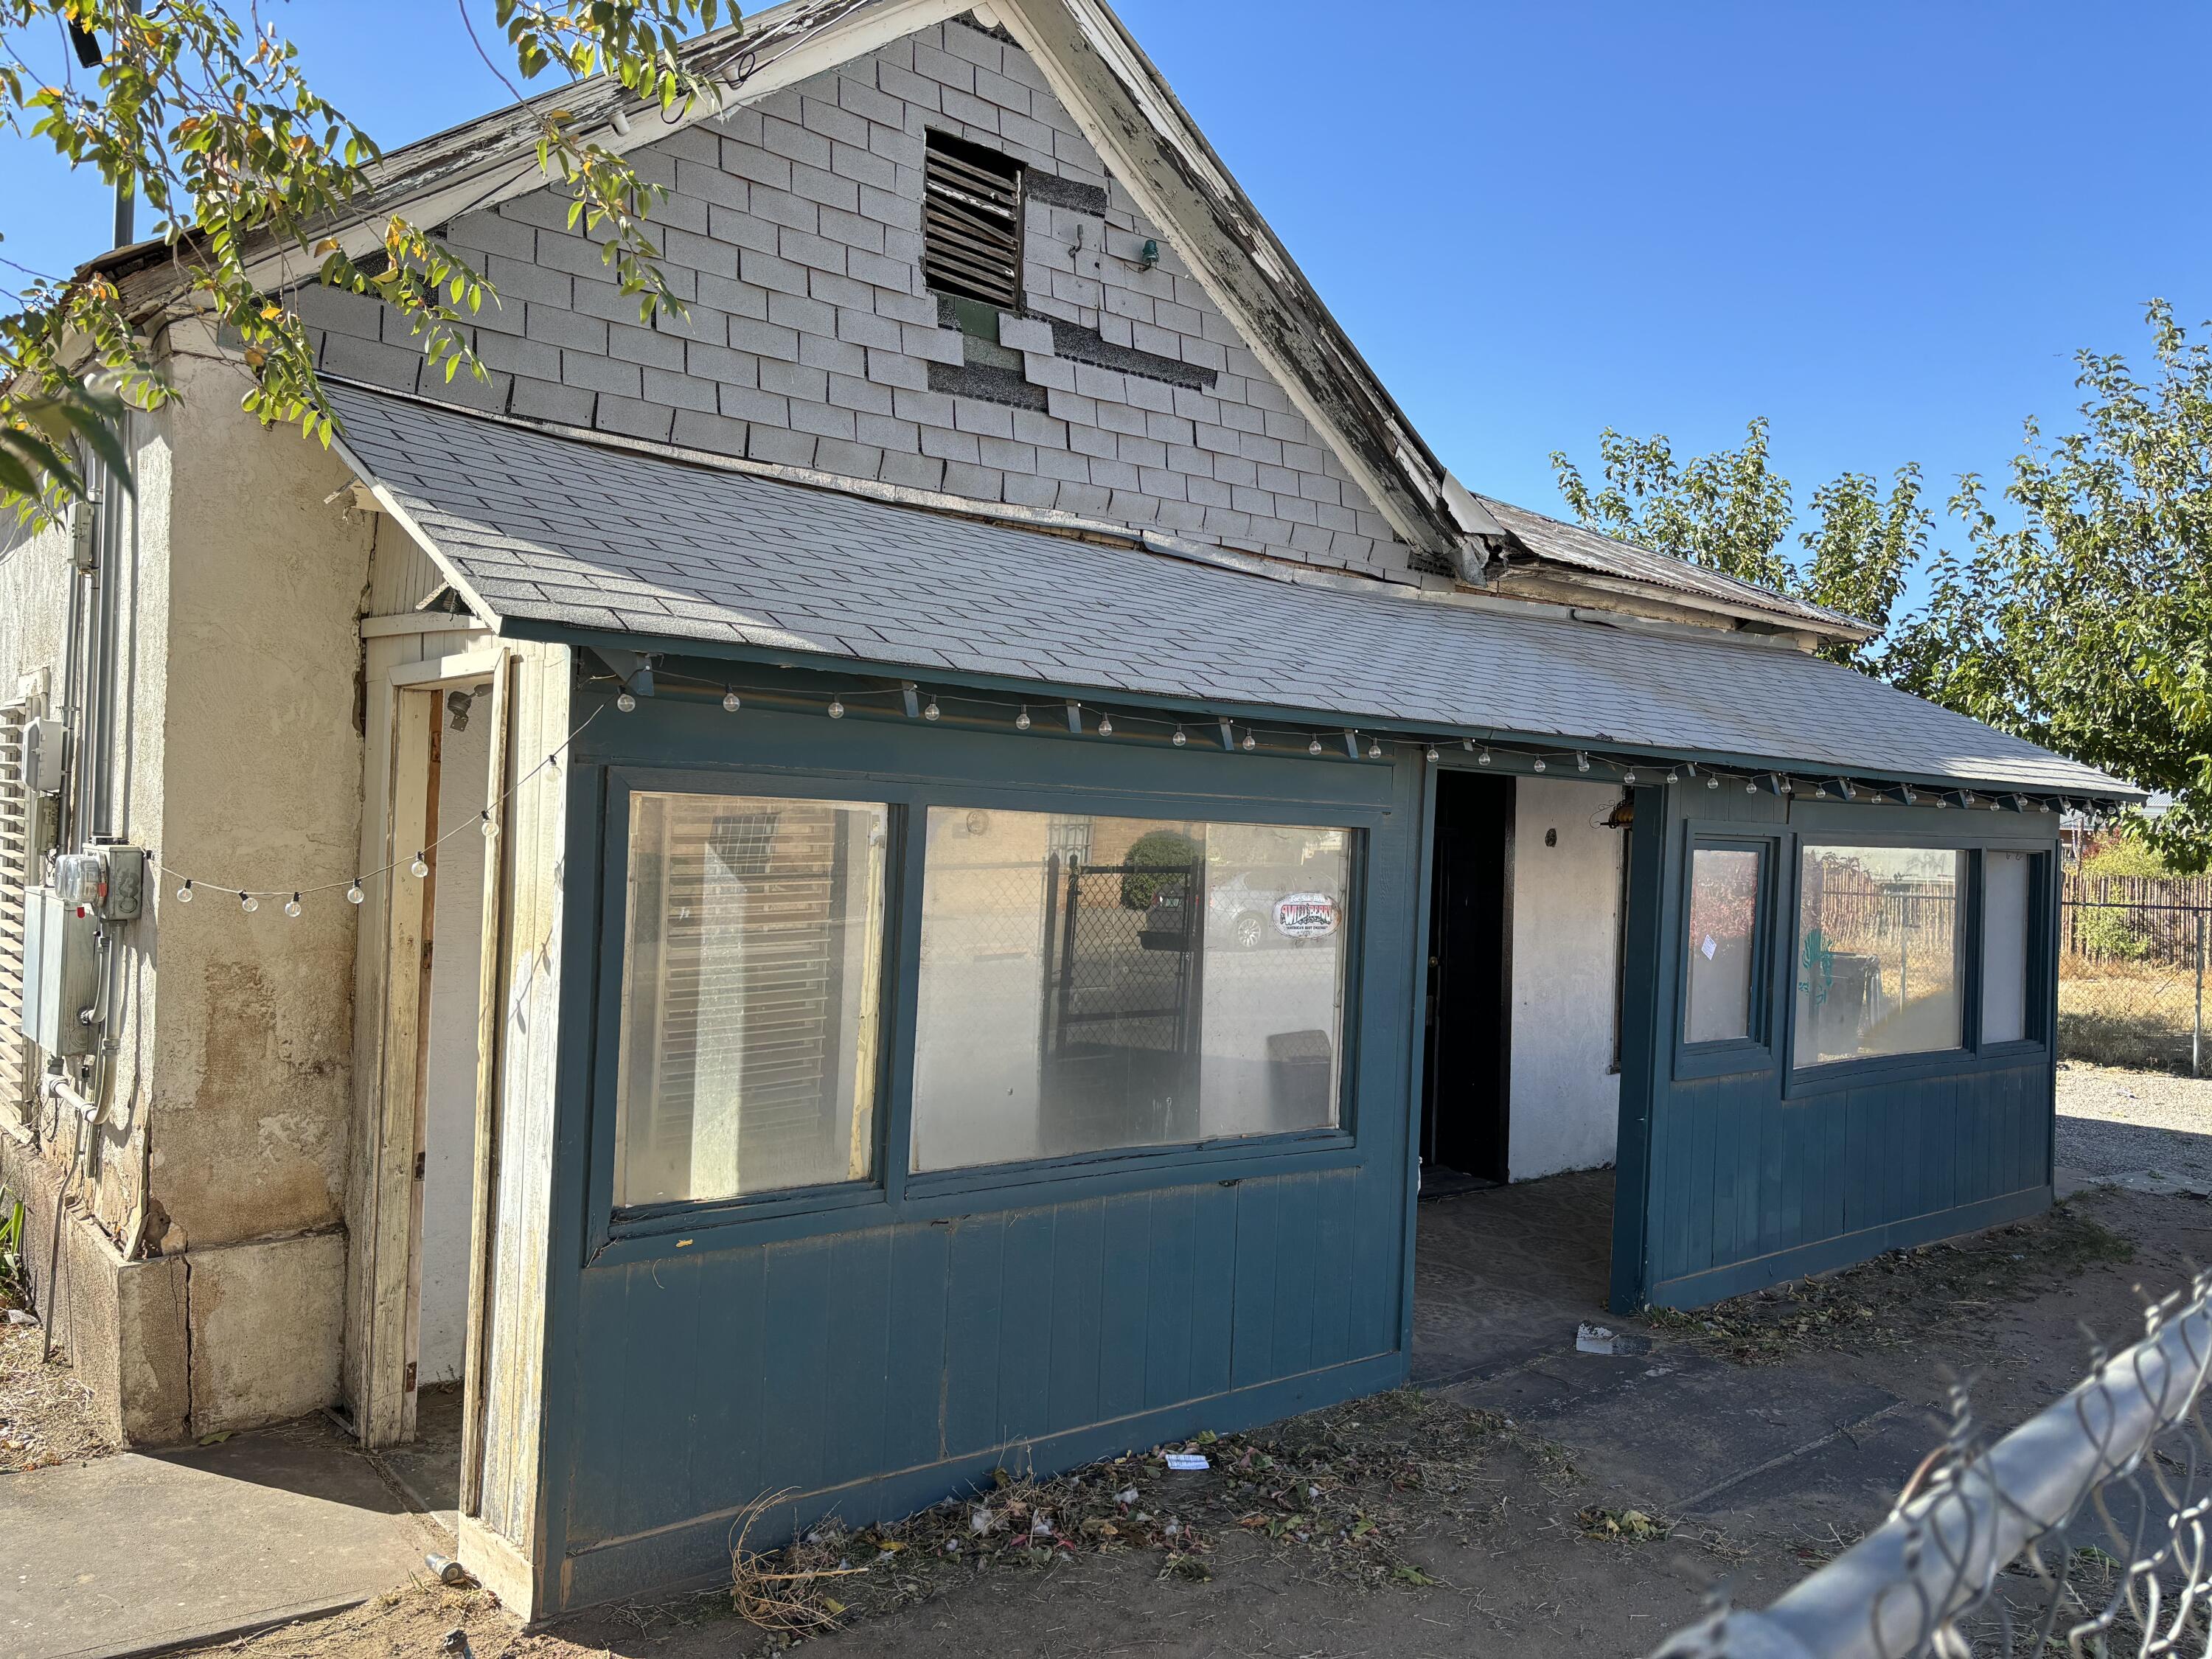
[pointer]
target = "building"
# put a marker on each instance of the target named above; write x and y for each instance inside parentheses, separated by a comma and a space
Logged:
(935, 846)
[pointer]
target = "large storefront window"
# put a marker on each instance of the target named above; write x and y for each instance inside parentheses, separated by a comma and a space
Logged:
(1173, 981)
(750, 991)
(1878, 966)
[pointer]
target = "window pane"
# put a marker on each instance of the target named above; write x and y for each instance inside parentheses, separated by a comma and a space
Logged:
(1878, 931)
(749, 996)
(1173, 981)
(2004, 945)
(1723, 919)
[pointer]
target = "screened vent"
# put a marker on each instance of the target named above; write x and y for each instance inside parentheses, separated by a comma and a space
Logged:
(15, 859)
(972, 222)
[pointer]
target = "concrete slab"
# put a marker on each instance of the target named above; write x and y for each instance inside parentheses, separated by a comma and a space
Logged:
(134, 1553)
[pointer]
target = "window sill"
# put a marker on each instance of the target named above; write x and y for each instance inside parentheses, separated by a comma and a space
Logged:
(659, 1220)
(1219, 1160)
(1737, 1057)
(1839, 1075)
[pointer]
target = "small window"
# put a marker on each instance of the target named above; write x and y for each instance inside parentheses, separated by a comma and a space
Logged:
(1879, 932)
(1177, 982)
(749, 1005)
(2007, 885)
(972, 222)
(1724, 936)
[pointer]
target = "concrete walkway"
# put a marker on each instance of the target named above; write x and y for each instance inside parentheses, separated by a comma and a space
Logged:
(136, 1555)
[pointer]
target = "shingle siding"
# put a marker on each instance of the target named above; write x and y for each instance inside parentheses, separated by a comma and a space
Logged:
(793, 231)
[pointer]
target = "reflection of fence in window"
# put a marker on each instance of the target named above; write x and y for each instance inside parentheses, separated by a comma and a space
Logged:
(1878, 962)
(2131, 970)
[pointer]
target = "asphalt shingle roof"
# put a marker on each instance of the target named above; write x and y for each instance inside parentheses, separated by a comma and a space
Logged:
(547, 530)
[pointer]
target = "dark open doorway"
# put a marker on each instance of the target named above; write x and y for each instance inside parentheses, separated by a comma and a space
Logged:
(1464, 1105)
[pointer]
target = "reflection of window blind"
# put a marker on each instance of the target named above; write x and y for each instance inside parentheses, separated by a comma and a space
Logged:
(14, 860)
(755, 952)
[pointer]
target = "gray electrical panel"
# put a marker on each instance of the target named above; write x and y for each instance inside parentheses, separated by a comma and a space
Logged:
(61, 972)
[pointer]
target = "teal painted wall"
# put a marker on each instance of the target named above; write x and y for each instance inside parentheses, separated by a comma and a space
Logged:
(1737, 1171)
(871, 1351)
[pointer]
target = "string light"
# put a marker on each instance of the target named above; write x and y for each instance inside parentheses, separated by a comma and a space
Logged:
(1673, 776)
(1250, 742)
(184, 893)
(1712, 782)
(1628, 774)
(731, 700)
(1314, 747)
(932, 711)
(1483, 759)
(292, 907)
(354, 895)
(491, 824)
(626, 703)
(419, 868)
(1375, 749)
(1431, 755)
(1581, 761)
(1751, 786)
(1539, 763)
(248, 903)
(836, 709)
(1021, 719)
(1105, 725)
(1179, 739)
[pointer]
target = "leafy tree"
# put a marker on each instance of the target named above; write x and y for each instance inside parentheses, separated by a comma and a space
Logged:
(2086, 625)
(1168, 850)
(209, 120)
(1730, 512)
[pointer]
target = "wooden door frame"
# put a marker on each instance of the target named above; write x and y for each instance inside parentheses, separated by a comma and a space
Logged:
(386, 1281)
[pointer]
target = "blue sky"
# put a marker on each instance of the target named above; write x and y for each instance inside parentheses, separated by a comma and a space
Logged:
(1886, 226)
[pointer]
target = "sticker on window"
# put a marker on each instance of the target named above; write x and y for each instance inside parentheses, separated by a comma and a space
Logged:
(1709, 947)
(1305, 915)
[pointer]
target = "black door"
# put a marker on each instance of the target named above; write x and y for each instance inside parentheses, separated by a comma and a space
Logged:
(1463, 1095)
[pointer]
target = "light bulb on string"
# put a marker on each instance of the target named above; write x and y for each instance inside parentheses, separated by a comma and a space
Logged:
(1628, 774)
(354, 895)
(418, 867)
(626, 703)
(1431, 755)
(292, 907)
(248, 903)
(1712, 782)
(1539, 763)
(1313, 746)
(1375, 749)
(1178, 740)
(1673, 776)
(1483, 759)
(491, 824)
(836, 709)
(1250, 743)
(731, 700)
(1105, 725)
(931, 711)
(184, 893)
(1021, 719)
(1581, 761)
(1751, 786)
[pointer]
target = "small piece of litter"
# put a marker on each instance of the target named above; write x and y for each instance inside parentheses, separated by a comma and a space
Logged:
(17, 1316)
(1126, 1495)
(1188, 1461)
(1597, 1338)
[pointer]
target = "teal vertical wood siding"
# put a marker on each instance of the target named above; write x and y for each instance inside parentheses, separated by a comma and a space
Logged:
(869, 1358)
(1737, 1174)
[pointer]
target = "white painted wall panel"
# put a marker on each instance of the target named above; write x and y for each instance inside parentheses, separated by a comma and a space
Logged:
(1565, 1093)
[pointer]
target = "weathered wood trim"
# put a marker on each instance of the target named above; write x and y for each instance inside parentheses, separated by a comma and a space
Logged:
(483, 1232)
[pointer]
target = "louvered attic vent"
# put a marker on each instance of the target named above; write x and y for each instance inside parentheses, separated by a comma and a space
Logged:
(972, 222)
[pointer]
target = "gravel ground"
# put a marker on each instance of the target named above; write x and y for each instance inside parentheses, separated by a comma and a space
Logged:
(2140, 1129)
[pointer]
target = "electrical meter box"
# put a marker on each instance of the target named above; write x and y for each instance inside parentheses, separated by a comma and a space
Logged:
(61, 972)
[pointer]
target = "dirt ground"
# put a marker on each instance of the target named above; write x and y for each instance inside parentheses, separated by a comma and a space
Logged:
(46, 1417)
(1430, 1523)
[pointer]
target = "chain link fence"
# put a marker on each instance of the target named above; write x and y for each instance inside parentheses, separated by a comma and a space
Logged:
(2087, 1530)
(2131, 971)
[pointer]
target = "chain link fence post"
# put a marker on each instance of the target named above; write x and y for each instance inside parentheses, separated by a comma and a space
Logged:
(2196, 1028)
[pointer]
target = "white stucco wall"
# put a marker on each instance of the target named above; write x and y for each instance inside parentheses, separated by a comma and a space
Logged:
(1566, 1094)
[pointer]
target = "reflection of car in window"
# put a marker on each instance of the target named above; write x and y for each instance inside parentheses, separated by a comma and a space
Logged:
(1270, 905)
